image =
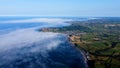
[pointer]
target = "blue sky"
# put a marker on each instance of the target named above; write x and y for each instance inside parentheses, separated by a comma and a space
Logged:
(60, 7)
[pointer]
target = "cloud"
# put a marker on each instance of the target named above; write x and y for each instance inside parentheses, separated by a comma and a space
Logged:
(41, 22)
(28, 37)
(38, 20)
(32, 49)
(26, 42)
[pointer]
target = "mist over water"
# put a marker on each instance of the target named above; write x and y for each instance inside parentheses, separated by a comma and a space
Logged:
(28, 48)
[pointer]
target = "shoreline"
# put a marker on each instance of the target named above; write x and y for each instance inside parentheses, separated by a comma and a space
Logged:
(82, 52)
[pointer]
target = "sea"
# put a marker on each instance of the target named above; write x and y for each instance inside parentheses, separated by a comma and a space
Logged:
(23, 46)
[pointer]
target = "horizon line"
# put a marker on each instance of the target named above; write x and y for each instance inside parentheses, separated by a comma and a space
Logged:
(56, 16)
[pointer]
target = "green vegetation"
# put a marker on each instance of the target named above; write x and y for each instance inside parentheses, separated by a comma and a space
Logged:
(100, 38)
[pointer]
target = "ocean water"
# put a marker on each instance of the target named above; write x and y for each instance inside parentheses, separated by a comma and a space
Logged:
(22, 46)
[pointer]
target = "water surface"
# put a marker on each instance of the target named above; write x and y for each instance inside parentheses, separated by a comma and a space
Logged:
(21, 46)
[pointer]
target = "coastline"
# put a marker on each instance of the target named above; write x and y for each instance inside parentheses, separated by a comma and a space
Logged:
(82, 52)
(69, 39)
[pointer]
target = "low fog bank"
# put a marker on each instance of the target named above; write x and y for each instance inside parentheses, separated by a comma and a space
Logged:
(21, 38)
(54, 21)
(31, 49)
(8, 26)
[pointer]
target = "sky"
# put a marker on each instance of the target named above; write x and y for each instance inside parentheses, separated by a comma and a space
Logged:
(80, 8)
